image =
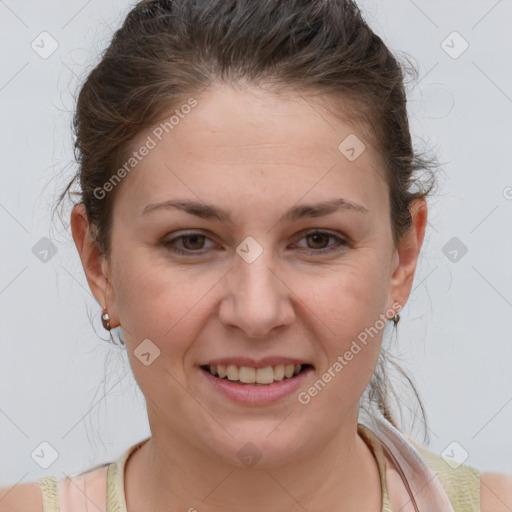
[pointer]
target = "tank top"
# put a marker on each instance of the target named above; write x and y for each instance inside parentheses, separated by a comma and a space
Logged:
(102, 487)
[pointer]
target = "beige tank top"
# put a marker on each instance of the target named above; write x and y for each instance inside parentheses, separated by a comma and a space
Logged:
(102, 488)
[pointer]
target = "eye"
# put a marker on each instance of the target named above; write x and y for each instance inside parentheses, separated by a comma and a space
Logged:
(192, 243)
(320, 238)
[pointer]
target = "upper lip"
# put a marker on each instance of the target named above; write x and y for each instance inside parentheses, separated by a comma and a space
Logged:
(256, 363)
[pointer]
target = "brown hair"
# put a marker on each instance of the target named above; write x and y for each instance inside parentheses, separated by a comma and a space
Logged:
(167, 51)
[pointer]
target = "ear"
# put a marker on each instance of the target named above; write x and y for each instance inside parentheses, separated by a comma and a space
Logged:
(94, 262)
(406, 255)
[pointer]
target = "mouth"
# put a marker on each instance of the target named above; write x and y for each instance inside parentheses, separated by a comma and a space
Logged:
(256, 376)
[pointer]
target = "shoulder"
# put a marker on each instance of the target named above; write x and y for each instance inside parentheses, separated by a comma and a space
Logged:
(466, 484)
(25, 497)
(461, 482)
(496, 492)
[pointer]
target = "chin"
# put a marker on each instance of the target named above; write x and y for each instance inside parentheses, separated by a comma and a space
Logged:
(261, 447)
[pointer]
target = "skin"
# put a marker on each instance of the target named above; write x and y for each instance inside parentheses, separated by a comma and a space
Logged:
(255, 154)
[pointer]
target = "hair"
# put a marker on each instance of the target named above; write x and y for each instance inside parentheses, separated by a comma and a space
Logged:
(166, 51)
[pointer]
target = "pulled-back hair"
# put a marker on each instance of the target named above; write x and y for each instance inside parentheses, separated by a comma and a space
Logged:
(167, 51)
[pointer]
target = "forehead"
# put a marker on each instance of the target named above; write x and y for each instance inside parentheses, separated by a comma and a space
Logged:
(241, 143)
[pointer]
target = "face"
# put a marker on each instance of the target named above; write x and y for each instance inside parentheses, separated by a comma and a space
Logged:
(266, 279)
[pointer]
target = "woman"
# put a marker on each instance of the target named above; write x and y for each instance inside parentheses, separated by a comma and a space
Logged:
(219, 142)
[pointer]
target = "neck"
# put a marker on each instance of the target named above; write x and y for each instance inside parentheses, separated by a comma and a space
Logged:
(168, 473)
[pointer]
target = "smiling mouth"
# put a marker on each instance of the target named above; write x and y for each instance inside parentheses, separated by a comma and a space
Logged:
(256, 376)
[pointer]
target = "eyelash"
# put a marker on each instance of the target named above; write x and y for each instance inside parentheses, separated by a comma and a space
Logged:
(342, 243)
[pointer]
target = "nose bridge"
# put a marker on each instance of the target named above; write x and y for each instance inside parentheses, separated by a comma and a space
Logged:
(256, 278)
(257, 297)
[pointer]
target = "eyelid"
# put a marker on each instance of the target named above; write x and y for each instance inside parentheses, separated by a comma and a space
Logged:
(342, 242)
(184, 234)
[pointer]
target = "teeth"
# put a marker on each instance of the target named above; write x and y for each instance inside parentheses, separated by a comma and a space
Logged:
(264, 375)
(247, 375)
(289, 369)
(250, 375)
(231, 372)
(221, 371)
(279, 372)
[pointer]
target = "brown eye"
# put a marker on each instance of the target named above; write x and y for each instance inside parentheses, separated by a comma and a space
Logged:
(318, 242)
(195, 242)
(190, 244)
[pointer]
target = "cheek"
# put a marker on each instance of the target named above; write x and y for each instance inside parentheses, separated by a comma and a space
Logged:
(348, 299)
(152, 306)
(346, 308)
(163, 304)
(145, 297)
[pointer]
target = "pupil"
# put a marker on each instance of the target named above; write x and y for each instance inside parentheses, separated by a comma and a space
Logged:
(315, 235)
(192, 237)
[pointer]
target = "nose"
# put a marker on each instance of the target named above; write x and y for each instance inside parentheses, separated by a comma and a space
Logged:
(257, 300)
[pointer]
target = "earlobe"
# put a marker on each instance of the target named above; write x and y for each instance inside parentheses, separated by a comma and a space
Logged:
(93, 259)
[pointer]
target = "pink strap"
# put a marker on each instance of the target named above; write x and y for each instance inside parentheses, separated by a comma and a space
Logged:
(84, 492)
(424, 488)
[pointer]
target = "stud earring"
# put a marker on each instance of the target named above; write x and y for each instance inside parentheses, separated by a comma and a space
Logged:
(105, 319)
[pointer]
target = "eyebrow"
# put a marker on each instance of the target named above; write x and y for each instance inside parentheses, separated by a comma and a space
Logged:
(208, 211)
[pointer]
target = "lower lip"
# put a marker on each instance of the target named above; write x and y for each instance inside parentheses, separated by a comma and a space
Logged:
(258, 394)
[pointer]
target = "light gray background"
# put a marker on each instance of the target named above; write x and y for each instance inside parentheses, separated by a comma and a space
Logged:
(61, 384)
